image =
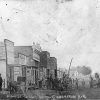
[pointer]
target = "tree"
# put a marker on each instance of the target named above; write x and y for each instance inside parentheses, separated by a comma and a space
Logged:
(85, 70)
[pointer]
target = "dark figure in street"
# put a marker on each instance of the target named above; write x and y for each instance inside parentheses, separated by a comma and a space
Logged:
(1, 83)
(76, 83)
(51, 81)
(83, 83)
(91, 82)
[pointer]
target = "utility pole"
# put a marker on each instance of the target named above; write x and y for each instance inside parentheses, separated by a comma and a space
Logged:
(69, 67)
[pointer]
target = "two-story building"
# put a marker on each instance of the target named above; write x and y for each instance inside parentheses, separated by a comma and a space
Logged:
(29, 61)
(48, 65)
(6, 60)
(44, 64)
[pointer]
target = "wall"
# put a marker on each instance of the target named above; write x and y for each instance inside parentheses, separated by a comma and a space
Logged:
(53, 63)
(16, 60)
(6, 47)
(3, 69)
(22, 59)
(53, 66)
(9, 47)
(2, 51)
(2, 60)
(44, 59)
(10, 51)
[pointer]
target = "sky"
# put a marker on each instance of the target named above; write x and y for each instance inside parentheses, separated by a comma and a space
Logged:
(68, 29)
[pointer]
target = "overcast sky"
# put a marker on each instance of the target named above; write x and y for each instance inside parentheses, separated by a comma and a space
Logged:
(66, 30)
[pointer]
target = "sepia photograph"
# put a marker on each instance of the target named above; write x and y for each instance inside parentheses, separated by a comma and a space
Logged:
(49, 49)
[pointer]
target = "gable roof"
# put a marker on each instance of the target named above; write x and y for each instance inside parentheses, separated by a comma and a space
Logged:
(25, 50)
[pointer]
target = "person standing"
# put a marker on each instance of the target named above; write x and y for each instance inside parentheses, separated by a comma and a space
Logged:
(76, 83)
(91, 82)
(83, 83)
(1, 83)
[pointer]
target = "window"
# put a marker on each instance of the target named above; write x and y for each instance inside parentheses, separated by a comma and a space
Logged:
(28, 71)
(36, 63)
(32, 72)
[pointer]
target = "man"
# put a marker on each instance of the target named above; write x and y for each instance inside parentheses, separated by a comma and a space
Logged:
(76, 83)
(83, 83)
(1, 83)
(91, 82)
(50, 81)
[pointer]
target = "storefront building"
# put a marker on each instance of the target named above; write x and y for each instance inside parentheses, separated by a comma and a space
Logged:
(6, 59)
(29, 59)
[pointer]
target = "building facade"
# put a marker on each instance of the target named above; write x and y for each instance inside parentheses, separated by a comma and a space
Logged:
(44, 64)
(36, 57)
(48, 65)
(6, 60)
(53, 67)
(29, 60)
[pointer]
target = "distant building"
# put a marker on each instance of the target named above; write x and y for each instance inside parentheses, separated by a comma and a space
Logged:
(75, 74)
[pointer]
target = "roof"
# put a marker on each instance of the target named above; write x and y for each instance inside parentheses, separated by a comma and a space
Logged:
(25, 50)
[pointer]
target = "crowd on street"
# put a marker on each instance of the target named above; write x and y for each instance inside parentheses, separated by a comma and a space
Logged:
(62, 84)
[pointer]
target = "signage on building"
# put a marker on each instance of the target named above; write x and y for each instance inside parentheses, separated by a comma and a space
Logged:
(36, 51)
(36, 56)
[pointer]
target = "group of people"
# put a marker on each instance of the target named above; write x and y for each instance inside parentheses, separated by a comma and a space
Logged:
(1, 81)
(55, 83)
(60, 84)
(76, 83)
(47, 82)
(94, 82)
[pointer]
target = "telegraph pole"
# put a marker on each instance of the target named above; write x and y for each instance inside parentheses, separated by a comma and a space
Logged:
(69, 67)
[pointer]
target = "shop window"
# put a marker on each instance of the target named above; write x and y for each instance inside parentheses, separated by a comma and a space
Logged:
(36, 63)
